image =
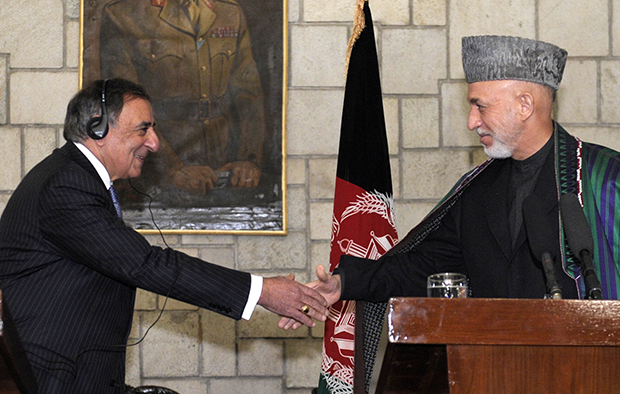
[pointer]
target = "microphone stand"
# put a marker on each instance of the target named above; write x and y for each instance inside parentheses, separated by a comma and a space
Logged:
(580, 241)
(553, 287)
(593, 284)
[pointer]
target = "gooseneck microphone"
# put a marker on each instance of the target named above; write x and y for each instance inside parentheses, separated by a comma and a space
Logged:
(541, 237)
(580, 242)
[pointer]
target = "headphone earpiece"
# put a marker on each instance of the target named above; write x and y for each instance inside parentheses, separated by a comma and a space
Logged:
(97, 127)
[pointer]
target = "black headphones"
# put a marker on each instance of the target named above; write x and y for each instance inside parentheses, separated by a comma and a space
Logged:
(97, 126)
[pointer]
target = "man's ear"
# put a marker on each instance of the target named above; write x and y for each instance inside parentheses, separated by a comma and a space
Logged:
(526, 105)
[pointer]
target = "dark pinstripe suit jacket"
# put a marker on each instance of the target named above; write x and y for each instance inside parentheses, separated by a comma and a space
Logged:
(69, 268)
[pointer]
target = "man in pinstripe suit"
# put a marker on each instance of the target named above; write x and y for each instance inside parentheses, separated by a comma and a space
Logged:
(69, 267)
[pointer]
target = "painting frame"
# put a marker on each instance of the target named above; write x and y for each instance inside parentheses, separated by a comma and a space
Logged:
(257, 210)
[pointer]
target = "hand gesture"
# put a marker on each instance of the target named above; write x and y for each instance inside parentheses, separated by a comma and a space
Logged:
(285, 297)
(327, 285)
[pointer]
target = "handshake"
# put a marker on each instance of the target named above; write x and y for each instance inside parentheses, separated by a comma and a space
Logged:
(298, 304)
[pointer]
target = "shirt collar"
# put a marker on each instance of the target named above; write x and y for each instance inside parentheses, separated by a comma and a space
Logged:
(101, 170)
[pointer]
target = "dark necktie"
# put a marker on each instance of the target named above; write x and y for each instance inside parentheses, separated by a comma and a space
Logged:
(117, 204)
(193, 12)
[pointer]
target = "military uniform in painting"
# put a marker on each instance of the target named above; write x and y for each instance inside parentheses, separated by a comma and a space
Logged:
(197, 65)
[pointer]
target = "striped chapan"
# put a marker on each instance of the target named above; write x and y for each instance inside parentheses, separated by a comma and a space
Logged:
(592, 172)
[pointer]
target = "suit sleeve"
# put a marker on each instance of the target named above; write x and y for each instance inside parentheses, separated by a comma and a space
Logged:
(403, 274)
(79, 224)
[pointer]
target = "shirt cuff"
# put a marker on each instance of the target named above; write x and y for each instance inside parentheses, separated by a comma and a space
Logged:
(256, 288)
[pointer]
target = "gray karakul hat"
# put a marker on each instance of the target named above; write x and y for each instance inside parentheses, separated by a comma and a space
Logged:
(491, 58)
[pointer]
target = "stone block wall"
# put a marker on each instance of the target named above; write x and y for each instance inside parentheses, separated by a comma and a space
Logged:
(195, 351)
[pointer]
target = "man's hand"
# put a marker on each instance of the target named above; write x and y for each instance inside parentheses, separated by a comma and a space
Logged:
(194, 179)
(243, 174)
(285, 297)
(327, 285)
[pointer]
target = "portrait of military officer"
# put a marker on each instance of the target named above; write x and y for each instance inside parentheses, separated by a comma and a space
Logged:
(195, 59)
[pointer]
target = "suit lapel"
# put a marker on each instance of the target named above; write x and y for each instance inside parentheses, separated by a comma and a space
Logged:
(496, 210)
(207, 17)
(73, 153)
(173, 14)
(547, 198)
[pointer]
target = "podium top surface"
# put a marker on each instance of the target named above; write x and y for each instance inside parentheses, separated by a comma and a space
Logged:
(481, 321)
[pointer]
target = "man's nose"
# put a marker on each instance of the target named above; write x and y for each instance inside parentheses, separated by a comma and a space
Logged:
(152, 141)
(474, 121)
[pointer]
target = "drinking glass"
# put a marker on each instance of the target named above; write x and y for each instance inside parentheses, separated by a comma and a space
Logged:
(447, 285)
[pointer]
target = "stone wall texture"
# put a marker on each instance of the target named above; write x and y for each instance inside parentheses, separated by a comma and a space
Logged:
(196, 351)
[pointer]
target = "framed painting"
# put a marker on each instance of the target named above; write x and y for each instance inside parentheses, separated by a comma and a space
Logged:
(216, 74)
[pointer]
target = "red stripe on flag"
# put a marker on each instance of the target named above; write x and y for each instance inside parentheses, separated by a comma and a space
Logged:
(363, 226)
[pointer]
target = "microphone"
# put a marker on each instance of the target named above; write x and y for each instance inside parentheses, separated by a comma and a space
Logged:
(580, 242)
(540, 237)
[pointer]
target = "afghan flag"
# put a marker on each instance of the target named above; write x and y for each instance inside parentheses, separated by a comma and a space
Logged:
(363, 222)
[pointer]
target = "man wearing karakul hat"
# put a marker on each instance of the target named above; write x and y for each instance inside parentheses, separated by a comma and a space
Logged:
(478, 228)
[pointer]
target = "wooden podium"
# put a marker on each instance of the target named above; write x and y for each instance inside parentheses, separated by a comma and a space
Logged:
(501, 346)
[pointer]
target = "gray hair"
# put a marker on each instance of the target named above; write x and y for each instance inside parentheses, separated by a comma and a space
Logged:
(87, 103)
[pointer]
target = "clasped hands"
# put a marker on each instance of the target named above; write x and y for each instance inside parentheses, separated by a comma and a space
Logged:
(327, 287)
(202, 179)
